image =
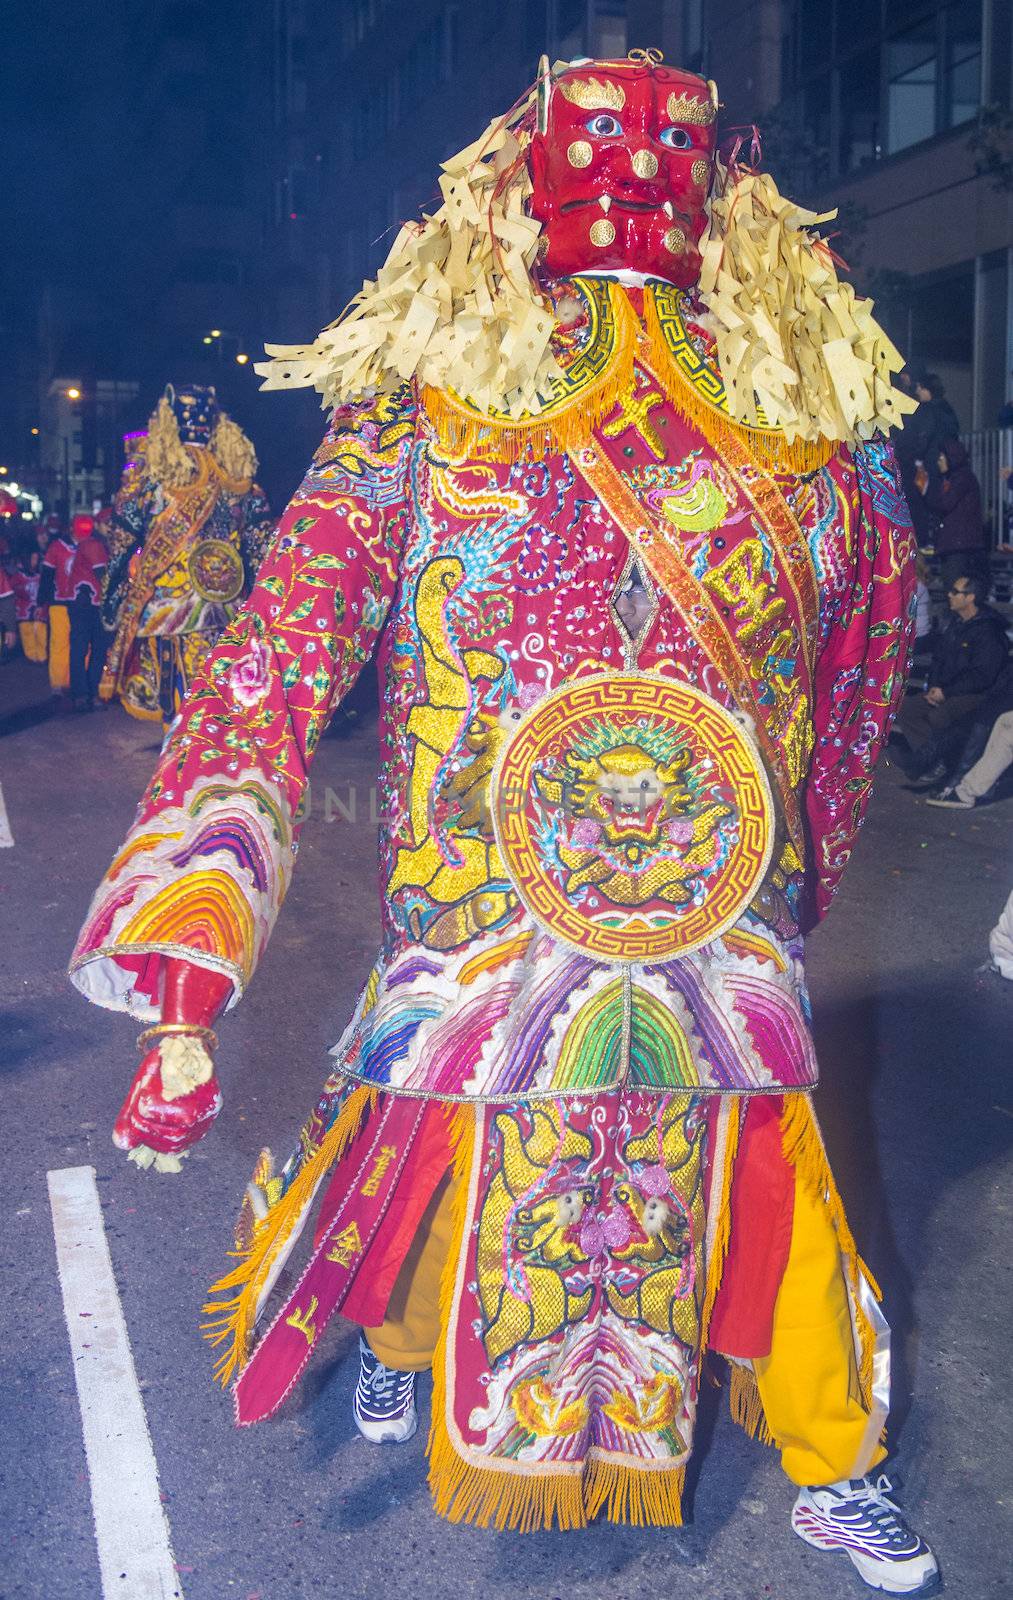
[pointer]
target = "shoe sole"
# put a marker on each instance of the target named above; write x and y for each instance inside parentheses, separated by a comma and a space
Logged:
(933, 1584)
(383, 1434)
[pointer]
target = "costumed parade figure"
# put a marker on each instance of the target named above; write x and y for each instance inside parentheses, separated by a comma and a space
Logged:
(188, 532)
(606, 488)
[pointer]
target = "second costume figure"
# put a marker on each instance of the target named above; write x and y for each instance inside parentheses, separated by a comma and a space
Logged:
(189, 530)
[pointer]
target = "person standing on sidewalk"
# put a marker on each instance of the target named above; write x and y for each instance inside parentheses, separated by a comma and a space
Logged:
(89, 640)
(953, 496)
(55, 593)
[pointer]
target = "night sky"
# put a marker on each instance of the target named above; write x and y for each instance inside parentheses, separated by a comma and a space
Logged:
(65, 133)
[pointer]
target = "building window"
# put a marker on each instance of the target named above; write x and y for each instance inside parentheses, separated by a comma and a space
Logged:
(962, 71)
(693, 36)
(900, 72)
(859, 121)
(570, 21)
(609, 38)
(912, 66)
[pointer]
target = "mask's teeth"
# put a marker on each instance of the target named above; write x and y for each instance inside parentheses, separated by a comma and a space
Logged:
(605, 203)
(667, 209)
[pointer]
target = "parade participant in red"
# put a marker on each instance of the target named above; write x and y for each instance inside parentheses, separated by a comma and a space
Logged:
(88, 638)
(616, 511)
(55, 594)
(26, 576)
(7, 610)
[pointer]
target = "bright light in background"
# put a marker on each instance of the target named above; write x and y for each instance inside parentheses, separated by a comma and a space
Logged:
(216, 333)
(3, 470)
(73, 393)
(208, 339)
(242, 358)
(35, 433)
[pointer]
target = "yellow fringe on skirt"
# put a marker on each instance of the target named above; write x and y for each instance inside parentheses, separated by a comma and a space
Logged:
(745, 1404)
(235, 1318)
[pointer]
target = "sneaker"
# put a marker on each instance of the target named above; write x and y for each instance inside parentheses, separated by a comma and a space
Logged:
(384, 1404)
(950, 798)
(857, 1516)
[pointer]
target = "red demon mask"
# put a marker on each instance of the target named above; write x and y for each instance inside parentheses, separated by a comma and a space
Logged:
(620, 168)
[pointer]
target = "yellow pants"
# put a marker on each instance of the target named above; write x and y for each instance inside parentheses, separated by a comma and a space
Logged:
(407, 1338)
(808, 1383)
(59, 647)
(33, 640)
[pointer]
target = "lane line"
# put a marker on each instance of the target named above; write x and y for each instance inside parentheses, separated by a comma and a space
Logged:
(6, 837)
(131, 1531)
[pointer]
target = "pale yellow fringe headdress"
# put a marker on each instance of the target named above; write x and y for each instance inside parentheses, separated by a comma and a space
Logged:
(454, 304)
(164, 455)
(456, 307)
(789, 333)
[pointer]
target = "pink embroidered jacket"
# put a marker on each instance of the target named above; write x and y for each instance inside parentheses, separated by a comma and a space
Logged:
(653, 550)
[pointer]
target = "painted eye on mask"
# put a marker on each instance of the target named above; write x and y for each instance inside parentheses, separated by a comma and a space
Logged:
(604, 126)
(676, 138)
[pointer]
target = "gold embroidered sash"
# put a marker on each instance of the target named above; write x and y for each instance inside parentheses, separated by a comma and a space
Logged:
(765, 619)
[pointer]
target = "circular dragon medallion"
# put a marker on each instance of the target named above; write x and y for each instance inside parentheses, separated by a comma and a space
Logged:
(216, 570)
(633, 815)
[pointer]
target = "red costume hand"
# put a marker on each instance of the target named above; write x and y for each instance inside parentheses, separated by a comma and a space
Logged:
(170, 1126)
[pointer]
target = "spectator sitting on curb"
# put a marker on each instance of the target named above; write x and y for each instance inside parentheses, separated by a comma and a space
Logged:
(986, 772)
(968, 659)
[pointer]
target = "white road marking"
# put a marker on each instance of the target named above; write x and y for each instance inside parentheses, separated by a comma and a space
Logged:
(6, 837)
(131, 1531)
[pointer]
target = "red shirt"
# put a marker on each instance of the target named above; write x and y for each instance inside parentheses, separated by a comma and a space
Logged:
(60, 555)
(90, 560)
(26, 594)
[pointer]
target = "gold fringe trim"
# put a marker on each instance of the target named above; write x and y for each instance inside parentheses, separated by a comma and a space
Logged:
(768, 446)
(234, 1318)
(745, 1404)
(723, 1227)
(498, 439)
(802, 1145)
(642, 1497)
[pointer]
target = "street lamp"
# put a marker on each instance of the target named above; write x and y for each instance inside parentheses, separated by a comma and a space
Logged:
(73, 393)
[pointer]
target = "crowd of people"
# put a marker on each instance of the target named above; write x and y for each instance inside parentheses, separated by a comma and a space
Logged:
(127, 603)
(51, 584)
(954, 734)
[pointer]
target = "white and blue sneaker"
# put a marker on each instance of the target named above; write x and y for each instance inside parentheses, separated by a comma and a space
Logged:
(857, 1516)
(384, 1404)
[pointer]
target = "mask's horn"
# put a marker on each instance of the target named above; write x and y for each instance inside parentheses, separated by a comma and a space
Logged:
(544, 86)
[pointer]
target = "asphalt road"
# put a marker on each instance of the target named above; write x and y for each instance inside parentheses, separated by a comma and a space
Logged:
(915, 1047)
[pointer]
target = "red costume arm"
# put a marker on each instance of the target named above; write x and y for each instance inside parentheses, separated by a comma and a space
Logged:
(206, 866)
(861, 665)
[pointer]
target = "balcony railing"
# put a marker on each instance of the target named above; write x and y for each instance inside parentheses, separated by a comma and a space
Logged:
(991, 453)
